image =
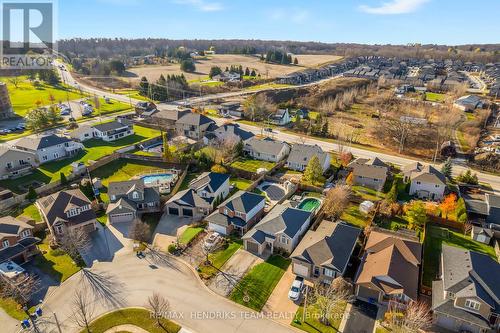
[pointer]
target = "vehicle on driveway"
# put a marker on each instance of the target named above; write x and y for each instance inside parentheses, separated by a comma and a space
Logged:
(296, 288)
(211, 241)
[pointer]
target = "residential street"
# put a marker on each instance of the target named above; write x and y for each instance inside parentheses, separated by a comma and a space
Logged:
(129, 281)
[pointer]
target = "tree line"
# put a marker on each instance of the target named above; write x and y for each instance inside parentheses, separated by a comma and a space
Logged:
(171, 87)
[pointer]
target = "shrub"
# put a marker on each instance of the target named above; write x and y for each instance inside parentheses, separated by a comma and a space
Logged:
(172, 248)
(64, 180)
(31, 193)
(218, 168)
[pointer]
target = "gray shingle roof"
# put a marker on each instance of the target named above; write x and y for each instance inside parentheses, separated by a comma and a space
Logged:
(189, 198)
(110, 126)
(122, 188)
(209, 181)
(243, 201)
(194, 119)
(266, 146)
(10, 226)
(301, 154)
(40, 142)
(429, 174)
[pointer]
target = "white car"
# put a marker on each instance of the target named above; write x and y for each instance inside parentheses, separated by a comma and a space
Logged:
(211, 240)
(87, 109)
(296, 289)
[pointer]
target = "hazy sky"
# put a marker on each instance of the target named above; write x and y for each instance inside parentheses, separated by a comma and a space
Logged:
(360, 21)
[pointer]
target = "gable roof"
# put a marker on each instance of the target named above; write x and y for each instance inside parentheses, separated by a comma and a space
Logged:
(266, 145)
(4, 150)
(53, 207)
(209, 181)
(189, 198)
(109, 126)
(281, 219)
(243, 201)
(428, 174)
(10, 226)
(301, 154)
(391, 264)
(334, 250)
(171, 114)
(124, 187)
(233, 129)
(40, 142)
(194, 119)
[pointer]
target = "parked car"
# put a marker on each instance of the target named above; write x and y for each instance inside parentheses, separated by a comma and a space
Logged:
(296, 288)
(211, 240)
(268, 129)
(87, 110)
(65, 112)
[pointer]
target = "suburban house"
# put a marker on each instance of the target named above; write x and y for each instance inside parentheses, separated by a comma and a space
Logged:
(371, 173)
(49, 147)
(114, 130)
(266, 149)
(227, 132)
(193, 125)
(281, 229)
(482, 208)
(144, 108)
(15, 162)
(426, 181)
(129, 199)
(198, 200)
(231, 109)
(227, 77)
(82, 133)
(466, 298)
(323, 254)
(67, 210)
(238, 213)
(482, 235)
(167, 118)
(17, 243)
(389, 269)
(468, 103)
(301, 154)
(281, 117)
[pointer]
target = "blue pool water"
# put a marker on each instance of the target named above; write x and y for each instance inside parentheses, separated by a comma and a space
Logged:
(158, 178)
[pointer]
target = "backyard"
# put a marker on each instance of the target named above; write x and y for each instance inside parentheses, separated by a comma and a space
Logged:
(353, 216)
(251, 165)
(94, 150)
(254, 289)
(240, 183)
(435, 236)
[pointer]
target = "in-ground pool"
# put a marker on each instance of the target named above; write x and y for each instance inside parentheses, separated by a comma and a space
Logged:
(309, 204)
(158, 179)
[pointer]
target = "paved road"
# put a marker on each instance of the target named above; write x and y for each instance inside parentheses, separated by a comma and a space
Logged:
(129, 281)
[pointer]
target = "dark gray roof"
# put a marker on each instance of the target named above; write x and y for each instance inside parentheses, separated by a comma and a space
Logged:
(243, 201)
(110, 126)
(301, 154)
(40, 142)
(123, 205)
(234, 129)
(333, 251)
(209, 181)
(194, 119)
(122, 188)
(428, 174)
(476, 206)
(15, 250)
(171, 114)
(10, 226)
(189, 198)
(267, 145)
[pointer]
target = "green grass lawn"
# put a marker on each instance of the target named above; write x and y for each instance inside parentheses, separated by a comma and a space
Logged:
(107, 108)
(435, 236)
(23, 97)
(55, 263)
(268, 86)
(435, 97)
(395, 223)
(259, 283)
(367, 193)
(464, 144)
(189, 177)
(312, 323)
(353, 216)
(134, 94)
(251, 165)
(219, 258)
(132, 316)
(94, 150)
(32, 212)
(189, 234)
(240, 183)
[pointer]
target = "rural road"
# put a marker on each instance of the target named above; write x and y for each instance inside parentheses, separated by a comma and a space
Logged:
(458, 166)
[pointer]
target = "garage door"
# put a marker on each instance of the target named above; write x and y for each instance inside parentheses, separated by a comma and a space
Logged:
(218, 228)
(125, 217)
(173, 211)
(252, 247)
(446, 322)
(187, 212)
(300, 270)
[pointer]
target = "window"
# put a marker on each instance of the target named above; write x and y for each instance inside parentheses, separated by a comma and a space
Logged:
(418, 183)
(113, 197)
(25, 233)
(56, 155)
(44, 157)
(22, 162)
(135, 195)
(328, 272)
(238, 214)
(284, 239)
(9, 165)
(471, 304)
(59, 229)
(5, 243)
(316, 271)
(436, 186)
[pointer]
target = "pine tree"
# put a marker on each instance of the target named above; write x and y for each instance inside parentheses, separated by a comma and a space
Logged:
(144, 86)
(314, 171)
(167, 154)
(253, 73)
(447, 168)
(247, 72)
(64, 180)
(31, 193)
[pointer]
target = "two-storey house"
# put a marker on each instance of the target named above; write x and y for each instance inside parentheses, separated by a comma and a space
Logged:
(301, 154)
(114, 130)
(48, 148)
(426, 181)
(238, 213)
(193, 125)
(15, 162)
(17, 243)
(371, 173)
(266, 149)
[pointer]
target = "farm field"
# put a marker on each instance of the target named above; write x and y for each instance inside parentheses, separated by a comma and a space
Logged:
(226, 60)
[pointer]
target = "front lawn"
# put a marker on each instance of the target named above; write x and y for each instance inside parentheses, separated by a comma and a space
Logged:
(312, 323)
(252, 165)
(189, 234)
(254, 289)
(435, 236)
(94, 150)
(56, 263)
(132, 316)
(219, 258)
(240, 183)
(434, 97)
(353, 216)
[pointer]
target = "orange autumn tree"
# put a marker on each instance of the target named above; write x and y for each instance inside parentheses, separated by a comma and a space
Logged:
(449, 204)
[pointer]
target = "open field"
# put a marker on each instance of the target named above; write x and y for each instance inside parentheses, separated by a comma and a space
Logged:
(226, 60)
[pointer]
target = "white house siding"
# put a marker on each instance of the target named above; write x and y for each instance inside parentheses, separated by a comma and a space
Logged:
(419, 188)
(53, 153)
(255, 210)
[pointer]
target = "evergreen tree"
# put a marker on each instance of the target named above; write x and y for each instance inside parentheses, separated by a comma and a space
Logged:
(31, 193)
(324, 129)
(247, 72)
(144, 86)
(314, 171)
(167, 154)
(392, 195)
(253, 73)
(64, 180)
(214, 71)
(447, 168)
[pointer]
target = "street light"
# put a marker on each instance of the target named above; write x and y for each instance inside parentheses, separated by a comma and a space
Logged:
(55, 317)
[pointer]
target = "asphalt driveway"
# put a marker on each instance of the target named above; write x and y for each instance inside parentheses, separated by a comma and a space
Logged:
(166, 230)
(361, 318)
(106, 241)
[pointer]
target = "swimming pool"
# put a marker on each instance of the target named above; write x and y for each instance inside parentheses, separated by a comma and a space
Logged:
(309, 204)
(158, 179)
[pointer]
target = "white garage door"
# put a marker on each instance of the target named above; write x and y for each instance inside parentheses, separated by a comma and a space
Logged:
(215, 227)
(446, 322)
(125, 217)
(300, 270)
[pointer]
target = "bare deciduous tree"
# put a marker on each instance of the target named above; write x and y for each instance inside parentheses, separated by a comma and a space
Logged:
(75, 242)
(337, 200)
(413, 319)
(327, 298)
(158, 306)
(140, 231)
(21, 291)
(15, 80)
(83, 309)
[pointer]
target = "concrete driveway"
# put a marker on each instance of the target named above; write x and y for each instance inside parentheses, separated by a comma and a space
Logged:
(282, 308)
(166, 230)
(106, 241)
(235, 268)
